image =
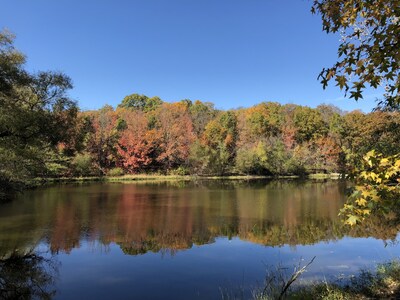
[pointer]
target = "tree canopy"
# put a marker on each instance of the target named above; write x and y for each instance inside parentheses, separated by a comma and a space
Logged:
(35, 113)
(369, 53)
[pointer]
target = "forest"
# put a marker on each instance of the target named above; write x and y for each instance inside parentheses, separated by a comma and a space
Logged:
(44, 134)
(148, 135)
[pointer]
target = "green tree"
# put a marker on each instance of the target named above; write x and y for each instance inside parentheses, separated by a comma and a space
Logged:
(140, 102)
(215, 152)
(134, 101)
(252, 160)
(309, 124)
(201, 114)
(35, 115)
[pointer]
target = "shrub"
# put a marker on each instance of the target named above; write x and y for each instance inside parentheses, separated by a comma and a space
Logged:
(82, 165)
(180, 171)
(115, 172)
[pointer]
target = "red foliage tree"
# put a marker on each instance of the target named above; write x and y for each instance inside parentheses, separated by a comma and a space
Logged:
(175, 134)
(136, 142)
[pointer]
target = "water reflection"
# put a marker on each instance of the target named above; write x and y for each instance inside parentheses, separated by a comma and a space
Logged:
(27, 275)
(173, 216)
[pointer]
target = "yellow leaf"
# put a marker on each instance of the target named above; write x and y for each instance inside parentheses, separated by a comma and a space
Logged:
(374, 196)
(365, 193)
(366, 211)
(352, 220)
(384, 162)
(361, 202)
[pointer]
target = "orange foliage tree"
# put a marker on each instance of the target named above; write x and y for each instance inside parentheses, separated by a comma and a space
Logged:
(175, 134)
(136, 143)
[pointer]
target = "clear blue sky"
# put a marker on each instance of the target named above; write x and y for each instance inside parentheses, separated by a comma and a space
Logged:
(230, 52)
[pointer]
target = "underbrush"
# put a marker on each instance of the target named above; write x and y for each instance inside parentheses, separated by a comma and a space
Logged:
(381, 283)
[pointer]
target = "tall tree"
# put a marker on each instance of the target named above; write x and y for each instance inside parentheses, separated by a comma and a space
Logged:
(102, 141)
(201, 113)
(35, 114)
(369, 54)
(176, 134)
(140, 102)
(136, 143)
(217, 150)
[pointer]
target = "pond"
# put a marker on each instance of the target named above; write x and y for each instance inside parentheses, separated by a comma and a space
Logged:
(180, 240)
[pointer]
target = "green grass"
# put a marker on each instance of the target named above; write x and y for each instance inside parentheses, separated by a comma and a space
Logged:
(160, 177)
(381, 283)
(325, 176)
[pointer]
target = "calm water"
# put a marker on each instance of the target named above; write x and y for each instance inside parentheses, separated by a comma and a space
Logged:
(179, 240)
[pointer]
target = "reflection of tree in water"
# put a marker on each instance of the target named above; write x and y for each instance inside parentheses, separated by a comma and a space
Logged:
(27, 276)
(162, 218)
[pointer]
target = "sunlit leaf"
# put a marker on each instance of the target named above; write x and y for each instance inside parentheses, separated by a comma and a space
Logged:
(361, 202)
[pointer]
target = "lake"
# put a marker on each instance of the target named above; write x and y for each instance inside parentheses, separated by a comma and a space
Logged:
(180, 240)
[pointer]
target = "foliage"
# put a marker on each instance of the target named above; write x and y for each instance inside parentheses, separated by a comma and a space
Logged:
(43, 134)
(140, 102)
(215, 152)
(82, 165)
(369, 53)
(180, 171)
(377, 187)
(215, 160)
(309, 124)
(383, 283)
(175, 135)
(250, 161)
(267, 139)
(35, 115)
(56, 165)
(101, 140)
(27, 276)
(136, 143)
(201, 114)
(115, 172)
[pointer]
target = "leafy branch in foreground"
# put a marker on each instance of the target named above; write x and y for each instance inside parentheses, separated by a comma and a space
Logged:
(377, 188)
(369, 53)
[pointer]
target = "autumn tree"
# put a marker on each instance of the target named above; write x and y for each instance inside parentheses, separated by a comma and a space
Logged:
(175, 132)
(362, 133)
(259, 122)
(201, 114)
(216, 151)
(309, 124)
(376, 190)
(369, 53)
(102, 140)
(136, 142)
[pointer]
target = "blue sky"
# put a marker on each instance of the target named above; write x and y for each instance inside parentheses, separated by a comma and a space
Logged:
(230, 52)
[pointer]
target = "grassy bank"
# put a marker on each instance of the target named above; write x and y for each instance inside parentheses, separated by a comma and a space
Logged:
(381, 283)
(158, 177)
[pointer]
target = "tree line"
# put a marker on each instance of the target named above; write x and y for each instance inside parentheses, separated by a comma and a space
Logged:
(44, 134)
(192, 137)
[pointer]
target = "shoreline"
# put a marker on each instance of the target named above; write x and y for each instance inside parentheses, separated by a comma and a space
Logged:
(156, 177)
